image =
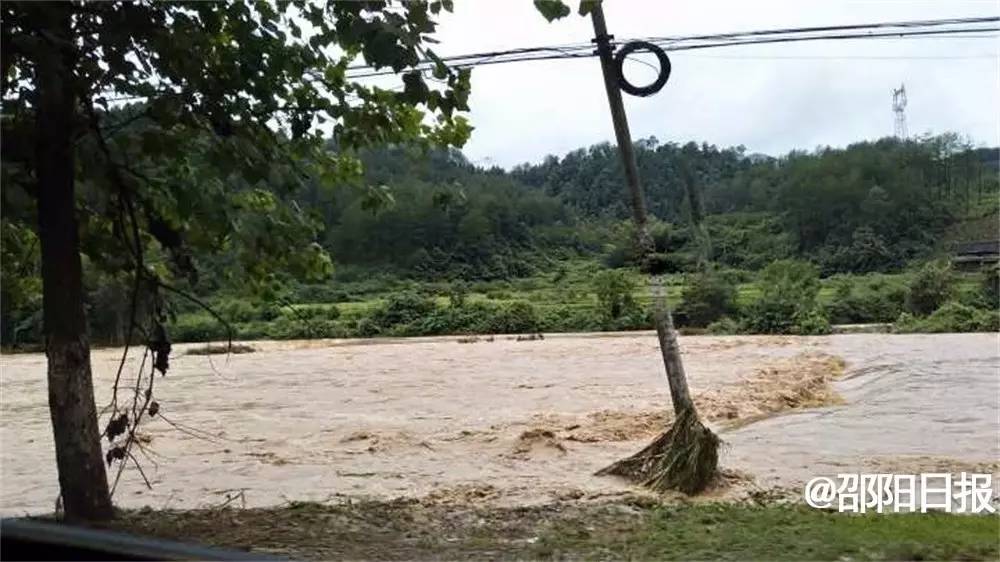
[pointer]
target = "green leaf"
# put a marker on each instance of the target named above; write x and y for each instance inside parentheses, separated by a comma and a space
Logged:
(440, 68)
(587, 6)
(552, 10)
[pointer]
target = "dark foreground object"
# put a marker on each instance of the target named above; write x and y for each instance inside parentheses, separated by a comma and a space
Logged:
(25, 539)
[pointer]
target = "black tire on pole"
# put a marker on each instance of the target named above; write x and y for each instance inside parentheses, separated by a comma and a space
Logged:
(656, 85)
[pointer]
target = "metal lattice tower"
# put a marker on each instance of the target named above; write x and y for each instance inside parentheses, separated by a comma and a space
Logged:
(898, 107)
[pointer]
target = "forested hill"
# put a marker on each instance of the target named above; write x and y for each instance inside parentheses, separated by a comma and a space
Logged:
(434, 217)
(443, 217)
(872, 206)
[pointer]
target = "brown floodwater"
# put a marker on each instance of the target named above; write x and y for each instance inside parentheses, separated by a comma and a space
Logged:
(506, 421)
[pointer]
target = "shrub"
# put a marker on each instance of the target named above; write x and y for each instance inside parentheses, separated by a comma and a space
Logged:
(617, 256)
(476, 317)
(198, 327)
(931, 287)
(867, 252)
(457, 294)
(251, 331)
(466, 319)
(402, 308)
(787, 304)
(367, 328)
(269, 312)
(320, 294)
(512, 318)
(301, 313)
(567, 318)
(905, 323)
(990, 286)
(874, 298)
(707, 297)
(952, 316)
(660, 263)
(237, 310)
(809, 322)
(724, 326)
(613, 288)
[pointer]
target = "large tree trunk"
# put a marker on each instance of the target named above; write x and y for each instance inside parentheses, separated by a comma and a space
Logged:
(82, 477)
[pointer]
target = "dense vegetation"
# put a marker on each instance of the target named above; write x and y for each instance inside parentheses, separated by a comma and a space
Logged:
(433, 244)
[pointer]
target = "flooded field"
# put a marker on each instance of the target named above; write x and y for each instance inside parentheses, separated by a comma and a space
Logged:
(517, 423)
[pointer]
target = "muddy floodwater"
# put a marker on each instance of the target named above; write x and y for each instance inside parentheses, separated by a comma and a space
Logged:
(517, 422)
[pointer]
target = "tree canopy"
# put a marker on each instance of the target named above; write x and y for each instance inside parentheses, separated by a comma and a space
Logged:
(154, 138)
(208, 151)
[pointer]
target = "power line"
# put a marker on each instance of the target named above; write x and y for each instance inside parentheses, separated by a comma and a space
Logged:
(904, 29)
(852, 27)
(844, 36)
(847, 57)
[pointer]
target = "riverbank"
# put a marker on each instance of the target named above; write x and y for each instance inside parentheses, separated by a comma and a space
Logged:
(626, 528)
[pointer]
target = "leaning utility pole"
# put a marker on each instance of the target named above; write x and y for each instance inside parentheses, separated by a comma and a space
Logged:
(620, 122)
(685, 457)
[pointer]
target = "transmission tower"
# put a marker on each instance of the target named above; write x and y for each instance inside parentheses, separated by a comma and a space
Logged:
(898, 107)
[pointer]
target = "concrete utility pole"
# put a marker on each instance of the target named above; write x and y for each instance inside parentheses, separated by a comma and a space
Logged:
(685, 456)
(620, 122)
(679, 392)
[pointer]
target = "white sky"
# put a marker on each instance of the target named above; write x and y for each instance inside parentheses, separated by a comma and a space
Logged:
(768, 98)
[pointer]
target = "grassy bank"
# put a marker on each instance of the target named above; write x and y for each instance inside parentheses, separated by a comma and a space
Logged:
(612, 530)
(571, 299)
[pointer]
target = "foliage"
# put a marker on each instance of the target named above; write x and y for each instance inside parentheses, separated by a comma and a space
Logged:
(402, 308)
(451, 221)
(447, 220)
(20, 284)
(424, 318)
(233, 103)
(707, 297)
(811, 321)
(724, 326)
(614, 288)
(932, 285)
(568, 306)
(872, 206)
(787, 304)
(212, 161)
(319, 293)
(874, 298)
(199, 327)
(239, 310)
(749, 240)
(867, 251)
(951, 317)
(458, 292)
(990, 286)
(568, 318)
(513, 318)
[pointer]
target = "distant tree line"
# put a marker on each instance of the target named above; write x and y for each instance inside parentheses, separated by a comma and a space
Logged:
(431, 215)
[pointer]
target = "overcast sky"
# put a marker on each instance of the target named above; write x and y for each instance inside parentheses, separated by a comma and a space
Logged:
(768, 98)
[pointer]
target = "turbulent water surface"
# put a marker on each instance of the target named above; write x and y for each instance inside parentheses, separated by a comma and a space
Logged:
(507, 421)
